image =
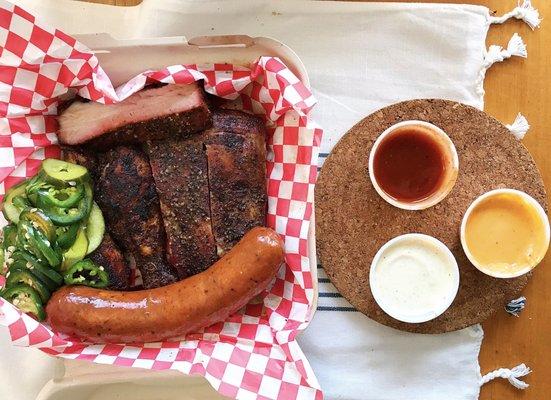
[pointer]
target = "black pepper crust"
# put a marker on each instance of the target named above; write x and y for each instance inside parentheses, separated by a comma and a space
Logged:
(210, 189)
(180, 171)
(236, 154)
(179, 124)
(80, 156)
(111, 258)
(127, 196)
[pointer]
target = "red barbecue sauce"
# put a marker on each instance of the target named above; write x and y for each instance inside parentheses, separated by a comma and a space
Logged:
(409, 164)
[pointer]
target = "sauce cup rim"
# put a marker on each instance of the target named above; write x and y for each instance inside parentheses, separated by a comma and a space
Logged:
(533, 202)
(431, 314)
(436, 197)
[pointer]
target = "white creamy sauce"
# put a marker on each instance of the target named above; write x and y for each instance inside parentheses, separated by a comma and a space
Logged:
(414, 277)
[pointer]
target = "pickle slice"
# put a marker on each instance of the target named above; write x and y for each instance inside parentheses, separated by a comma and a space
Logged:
(11, 211)
(63, 171)
(95, 228)
(77, 251)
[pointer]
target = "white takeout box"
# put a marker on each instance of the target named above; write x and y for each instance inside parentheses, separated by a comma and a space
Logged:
(121, 60)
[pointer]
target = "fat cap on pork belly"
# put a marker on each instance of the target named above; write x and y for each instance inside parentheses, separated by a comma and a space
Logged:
(150, 114)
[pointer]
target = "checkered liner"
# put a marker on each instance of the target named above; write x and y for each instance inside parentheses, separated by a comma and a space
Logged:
(253, 354)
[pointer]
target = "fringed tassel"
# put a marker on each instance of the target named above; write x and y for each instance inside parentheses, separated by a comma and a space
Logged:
(516, 306)
(495, 53)
(515, 47)
(525, 12)
(511, 375)
(519, 127)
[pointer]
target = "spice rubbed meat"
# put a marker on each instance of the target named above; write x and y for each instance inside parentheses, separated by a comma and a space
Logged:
(82, 157)
(174, 205)
(179, 187)
(127, 196)
(150, 114)
(236, 154)
(180, 171)
(112, 260)
(108, 255)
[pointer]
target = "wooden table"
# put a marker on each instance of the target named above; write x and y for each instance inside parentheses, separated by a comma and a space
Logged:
(513, 86)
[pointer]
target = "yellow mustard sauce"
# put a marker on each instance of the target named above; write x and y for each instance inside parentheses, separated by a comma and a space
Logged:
(505, 234)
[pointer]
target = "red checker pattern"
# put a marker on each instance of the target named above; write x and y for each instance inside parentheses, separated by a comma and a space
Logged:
(253, 354)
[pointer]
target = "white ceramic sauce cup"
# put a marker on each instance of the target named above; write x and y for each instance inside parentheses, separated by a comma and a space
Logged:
(451, 172)
(532, 202)
(385, 295)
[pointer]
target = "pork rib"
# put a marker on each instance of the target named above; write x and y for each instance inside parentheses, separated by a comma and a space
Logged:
(236, 154)
(127, 196)
(150, 114)
(180, 171)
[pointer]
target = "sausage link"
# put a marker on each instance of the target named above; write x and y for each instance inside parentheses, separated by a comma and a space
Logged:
(103, 316)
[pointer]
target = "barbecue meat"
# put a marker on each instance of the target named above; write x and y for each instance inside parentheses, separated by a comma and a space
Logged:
(82, 157)
(108, 254)
(236, 154)
(110, 257)
(180, 171)
(127, 196)
(150, 114)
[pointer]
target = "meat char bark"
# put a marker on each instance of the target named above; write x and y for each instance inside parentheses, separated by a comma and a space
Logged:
(180, 171)
(108, 254)
(82, 157)
(110, 257)
(127, 196)
(150, 114)
(236, 154)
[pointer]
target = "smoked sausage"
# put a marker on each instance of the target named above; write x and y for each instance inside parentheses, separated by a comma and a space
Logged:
(104, 316)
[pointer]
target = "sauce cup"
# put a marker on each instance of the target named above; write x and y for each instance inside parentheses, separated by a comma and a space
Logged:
(449, 163)
(414, 278)
(505, 233)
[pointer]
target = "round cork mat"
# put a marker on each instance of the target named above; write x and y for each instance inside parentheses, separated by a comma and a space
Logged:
(353, 221)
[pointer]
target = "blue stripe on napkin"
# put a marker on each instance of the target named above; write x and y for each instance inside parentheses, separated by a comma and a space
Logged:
(329, 298)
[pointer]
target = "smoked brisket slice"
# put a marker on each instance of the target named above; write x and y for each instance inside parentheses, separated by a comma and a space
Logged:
(125, 191)
(180, 171)
(150, 114)
(236, 155)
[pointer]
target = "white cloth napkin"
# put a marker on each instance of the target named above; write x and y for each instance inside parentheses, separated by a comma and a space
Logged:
(360, 57)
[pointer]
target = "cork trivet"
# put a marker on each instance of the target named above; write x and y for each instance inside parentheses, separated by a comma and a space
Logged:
(353, 221)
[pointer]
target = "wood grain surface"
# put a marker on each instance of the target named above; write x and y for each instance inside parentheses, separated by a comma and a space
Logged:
(513, 86)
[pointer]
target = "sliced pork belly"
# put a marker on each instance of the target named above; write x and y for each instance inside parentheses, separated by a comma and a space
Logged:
(125, 192)
(236, 153)
(180, 171)
(150, 114)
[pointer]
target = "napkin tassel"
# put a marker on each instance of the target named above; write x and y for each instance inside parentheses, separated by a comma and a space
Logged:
(495, 53)
(511, 375)
(519, 128)
(514, 307)
(525, 12)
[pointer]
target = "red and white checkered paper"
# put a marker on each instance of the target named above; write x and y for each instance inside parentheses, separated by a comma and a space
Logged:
(251, 355)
